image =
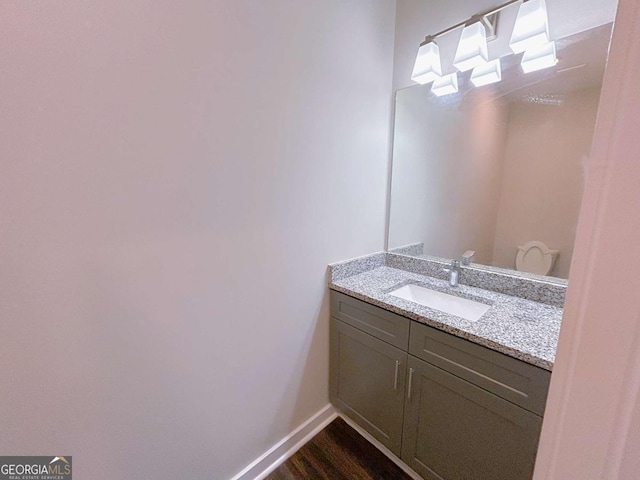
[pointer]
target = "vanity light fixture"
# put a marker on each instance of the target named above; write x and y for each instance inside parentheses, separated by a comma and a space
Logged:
(472, 48)
(488, 72)
(532, 26)
(427, 67)
(538, 58)
(530, 35)
(445, 85)
(471, 51)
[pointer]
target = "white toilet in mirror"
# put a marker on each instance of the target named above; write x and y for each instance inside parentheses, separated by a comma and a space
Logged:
(535, 257)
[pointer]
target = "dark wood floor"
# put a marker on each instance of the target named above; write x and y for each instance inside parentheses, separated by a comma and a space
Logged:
(338, 453)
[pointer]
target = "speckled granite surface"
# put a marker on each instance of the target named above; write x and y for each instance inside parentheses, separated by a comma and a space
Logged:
(524, 285)
(354, 266)
(515, 326)
(413, 249)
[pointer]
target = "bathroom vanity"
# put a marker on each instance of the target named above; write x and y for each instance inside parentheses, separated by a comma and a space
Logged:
(452, 398)
(450, 371)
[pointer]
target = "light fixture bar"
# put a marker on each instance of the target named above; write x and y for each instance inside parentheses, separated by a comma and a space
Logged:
(488, 13)
(490, 23)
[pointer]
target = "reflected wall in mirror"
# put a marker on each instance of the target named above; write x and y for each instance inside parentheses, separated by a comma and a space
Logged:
(492, 168)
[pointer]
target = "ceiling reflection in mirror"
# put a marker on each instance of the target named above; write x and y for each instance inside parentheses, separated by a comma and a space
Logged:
(494, 168)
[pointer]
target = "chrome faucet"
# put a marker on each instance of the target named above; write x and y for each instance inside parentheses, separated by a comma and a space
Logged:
(454, 272)
(454, 267)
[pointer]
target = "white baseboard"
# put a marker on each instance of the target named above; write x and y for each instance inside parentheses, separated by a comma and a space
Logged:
(406, 468)
(281, 451)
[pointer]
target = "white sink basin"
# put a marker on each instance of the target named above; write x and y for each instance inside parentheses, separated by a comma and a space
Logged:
(460, 307)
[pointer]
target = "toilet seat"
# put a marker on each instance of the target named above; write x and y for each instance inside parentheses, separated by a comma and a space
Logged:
(535, 257)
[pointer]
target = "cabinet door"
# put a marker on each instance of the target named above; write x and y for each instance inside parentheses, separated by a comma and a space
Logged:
(367, 382)
(454, 430)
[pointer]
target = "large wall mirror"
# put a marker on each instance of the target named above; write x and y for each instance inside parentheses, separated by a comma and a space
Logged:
(494, 168)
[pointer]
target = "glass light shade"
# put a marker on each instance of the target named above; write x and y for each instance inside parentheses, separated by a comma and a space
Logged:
(489, 72)
(472, 48)
(538, 58)
(427, 67)
(445, 85)
(532, 26)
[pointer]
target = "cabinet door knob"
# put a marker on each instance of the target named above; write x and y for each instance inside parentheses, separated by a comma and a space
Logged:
(410, 382)
(395, 378)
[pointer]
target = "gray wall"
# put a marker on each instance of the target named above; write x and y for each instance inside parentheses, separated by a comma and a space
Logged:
(175, 177)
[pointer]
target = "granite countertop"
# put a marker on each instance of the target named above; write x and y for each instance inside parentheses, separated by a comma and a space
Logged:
(517, 327)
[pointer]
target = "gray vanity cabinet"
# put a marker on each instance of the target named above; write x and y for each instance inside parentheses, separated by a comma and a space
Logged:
(368, 378)
(451, 409)
(368, 367)
(456, 430)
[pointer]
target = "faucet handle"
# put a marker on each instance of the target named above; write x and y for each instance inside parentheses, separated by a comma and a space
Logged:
(466, 257)
(454, 265)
